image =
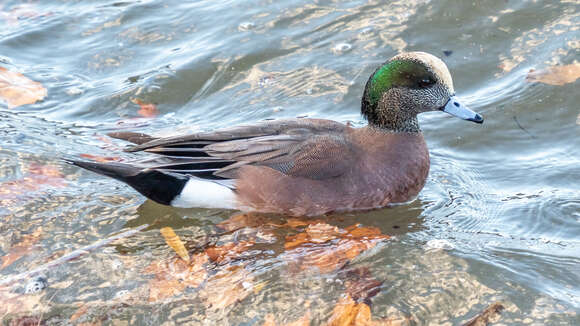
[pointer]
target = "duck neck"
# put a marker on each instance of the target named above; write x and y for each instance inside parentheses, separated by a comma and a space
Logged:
(394, 120)
(410, 125)
(390, 113)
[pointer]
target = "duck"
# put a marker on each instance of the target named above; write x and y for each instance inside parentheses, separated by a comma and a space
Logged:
(302, 166)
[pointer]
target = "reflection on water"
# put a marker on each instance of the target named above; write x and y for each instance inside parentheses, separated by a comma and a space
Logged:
(501, 203)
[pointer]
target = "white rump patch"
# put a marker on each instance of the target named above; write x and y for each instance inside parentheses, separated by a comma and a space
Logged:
(204, 193)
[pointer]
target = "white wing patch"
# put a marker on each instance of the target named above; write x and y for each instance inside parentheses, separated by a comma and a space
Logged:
(207, 194)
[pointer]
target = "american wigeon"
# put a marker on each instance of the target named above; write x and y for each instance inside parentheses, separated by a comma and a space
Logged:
(303, 166)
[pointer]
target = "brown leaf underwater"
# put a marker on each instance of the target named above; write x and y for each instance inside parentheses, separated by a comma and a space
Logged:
(348, 312)
(173, 276)
(16, 89)
(175, 243)
(222, 278)
(361, 285)
(484, 318)
(19, 303)
(228, 286)
(327, 247)
(228, 252)
(100, 159)
(146, 110)
(555, 75)
(37, 177)
(22, 248)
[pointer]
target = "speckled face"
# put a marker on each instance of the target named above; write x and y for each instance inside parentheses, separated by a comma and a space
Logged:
(406, 85)
(414, 81)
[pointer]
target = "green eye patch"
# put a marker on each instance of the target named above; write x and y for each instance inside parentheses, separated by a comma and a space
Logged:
(398, 73)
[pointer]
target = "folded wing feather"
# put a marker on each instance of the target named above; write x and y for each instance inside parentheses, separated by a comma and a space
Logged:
(309, 148)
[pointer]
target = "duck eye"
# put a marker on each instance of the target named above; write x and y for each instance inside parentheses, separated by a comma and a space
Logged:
(424, 83)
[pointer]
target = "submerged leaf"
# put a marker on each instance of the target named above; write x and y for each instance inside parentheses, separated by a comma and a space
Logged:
(147, 110)
(227, 287)
(21, 248)
(556, 75)
(101, 159)
(172, 277)
(492, 312)
(229, 251)
(322, 232)
(80, 312)
(34, 181)
(175, 243)
(160, 289)
(18, 303)
(327, 247)
(297, 222)
(17, 90)
(361, 285)
(347, 312)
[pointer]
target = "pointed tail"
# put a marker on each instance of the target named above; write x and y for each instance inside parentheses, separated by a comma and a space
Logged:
(161, 187)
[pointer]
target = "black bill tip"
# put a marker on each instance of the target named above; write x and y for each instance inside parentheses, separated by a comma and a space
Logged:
(477, 119)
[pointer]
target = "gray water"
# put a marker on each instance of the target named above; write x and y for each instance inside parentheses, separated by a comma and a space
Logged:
(501, 205)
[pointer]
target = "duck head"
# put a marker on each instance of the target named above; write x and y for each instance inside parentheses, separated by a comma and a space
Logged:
(406, 85)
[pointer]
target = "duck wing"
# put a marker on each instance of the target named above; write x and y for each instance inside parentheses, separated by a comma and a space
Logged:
(309, 148)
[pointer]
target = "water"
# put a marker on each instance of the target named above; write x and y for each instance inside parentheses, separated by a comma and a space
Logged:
(502, 199)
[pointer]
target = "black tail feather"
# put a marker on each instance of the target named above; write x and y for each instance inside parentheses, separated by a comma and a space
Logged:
(158, 186)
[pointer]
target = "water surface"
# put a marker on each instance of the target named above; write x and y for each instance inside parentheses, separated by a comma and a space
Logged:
(503, 197)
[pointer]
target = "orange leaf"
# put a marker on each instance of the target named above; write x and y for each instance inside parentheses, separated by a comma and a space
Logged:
(175, 243)
(147, 110)
(363, 315)
(227, 252)
(296, 240)
(270, 320)
(16, 89)
(296, 222)
(349, 313)
(162, 289)
(22, 248)
(45, 170)
(33, 181)
(227, 287)
(101, 159)
(304, 321)
(14, 304)
(344, 313)
(555, 75)
(172, 277)
(327, 247)
(317, 233)
(322, 232)
(81, 311)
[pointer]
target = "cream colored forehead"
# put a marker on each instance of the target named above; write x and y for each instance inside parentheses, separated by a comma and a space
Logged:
(436, 65)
